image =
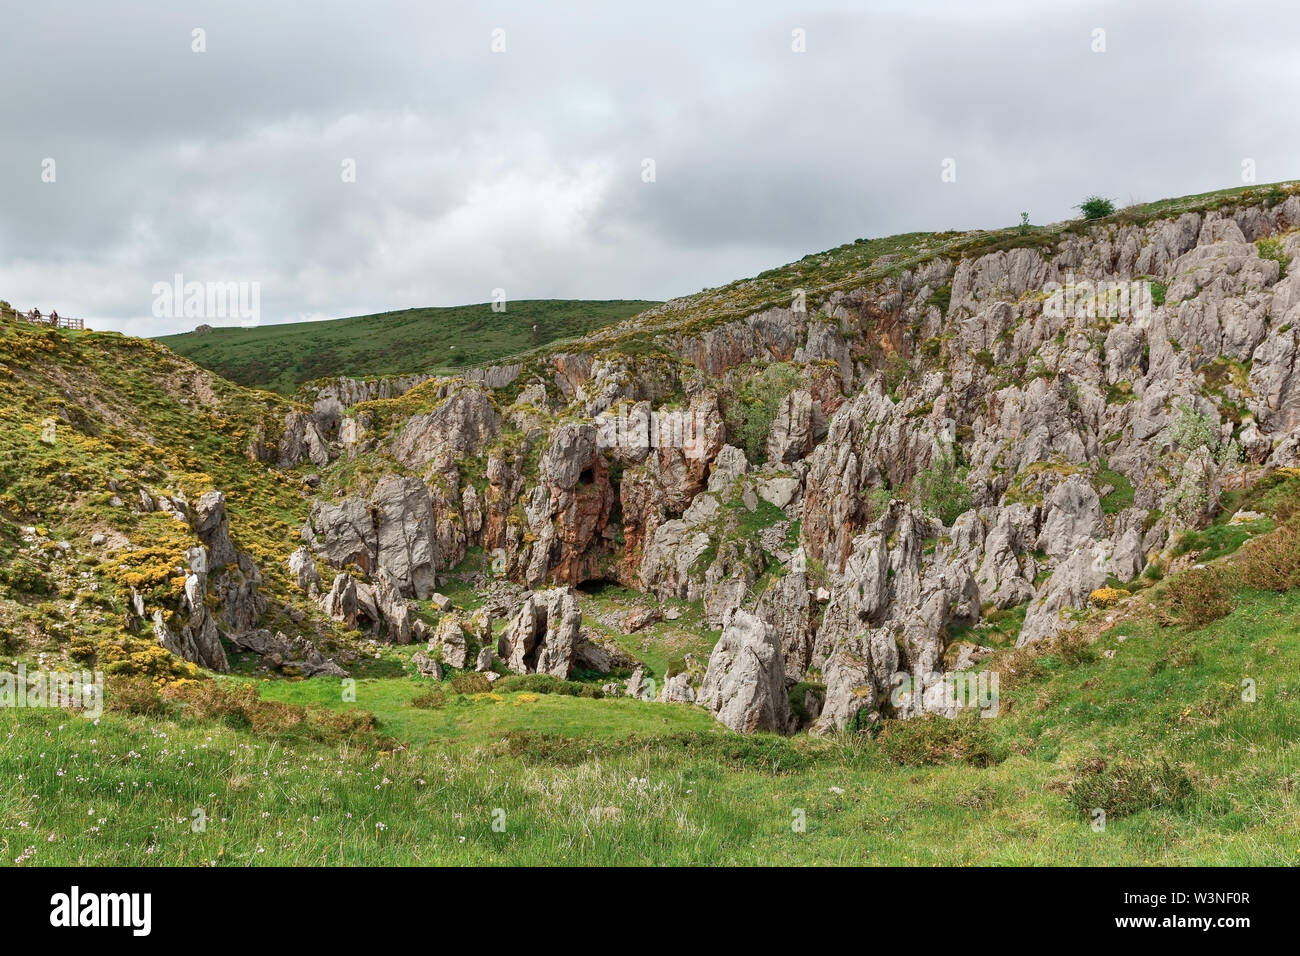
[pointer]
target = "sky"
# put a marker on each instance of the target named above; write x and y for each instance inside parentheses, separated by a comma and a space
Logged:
(342, 158)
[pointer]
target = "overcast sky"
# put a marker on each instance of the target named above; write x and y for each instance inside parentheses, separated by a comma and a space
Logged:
(523, 170)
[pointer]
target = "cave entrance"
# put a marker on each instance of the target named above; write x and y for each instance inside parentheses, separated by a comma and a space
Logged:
(595, 587)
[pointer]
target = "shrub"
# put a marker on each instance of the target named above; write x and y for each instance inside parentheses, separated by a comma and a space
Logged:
(238, 705)
(1124, 786)
(433, 700)
(1096, 207)
(132, 656)
(25, 576)
(1276, 494)
(897, 368)
(932, 739)
(1272, 249)
(1191, 430)
(749, 416)
(1075, 649)
(1272, 562)
(133, 694)
(546, 684)
(1107, 596)
(212, 700)
(1195, 598)
(942, 489)
(471, 683)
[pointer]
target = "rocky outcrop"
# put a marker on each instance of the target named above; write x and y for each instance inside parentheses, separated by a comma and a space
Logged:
(568, 511)
(677, 690)
(543, 635)
(744, 686)
(191, 634)
(426, 665)
(450, 639)
(1068, 587)
(395, 615)
(460, 427)
(393, 530)
(600, 654)
(302, 441)
(294, 655)
(216, 567)
(798, 427)
(998, 385)
(303, 568)
(858, 678)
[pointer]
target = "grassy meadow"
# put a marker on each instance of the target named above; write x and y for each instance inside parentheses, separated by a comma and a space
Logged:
(1158, 732)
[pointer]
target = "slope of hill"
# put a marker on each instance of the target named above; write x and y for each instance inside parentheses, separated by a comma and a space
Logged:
(412, 341)
(955, 462)
(865, 261)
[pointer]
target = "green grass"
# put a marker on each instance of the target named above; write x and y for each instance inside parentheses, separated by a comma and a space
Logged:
(1121, 494)
(626, 782)
(480, 719)
(281, 357)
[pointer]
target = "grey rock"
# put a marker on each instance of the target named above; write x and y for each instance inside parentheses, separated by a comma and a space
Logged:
(744, 686)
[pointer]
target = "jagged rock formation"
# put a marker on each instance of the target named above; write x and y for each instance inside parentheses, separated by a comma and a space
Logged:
(543, 636)
(393, 531)
(744, 687)
(994, 430)
(192, 631)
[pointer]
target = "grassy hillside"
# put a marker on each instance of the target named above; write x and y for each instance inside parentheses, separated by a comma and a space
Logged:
(124, 415)
(1148, 722)
(1176, 708)
(281, 357)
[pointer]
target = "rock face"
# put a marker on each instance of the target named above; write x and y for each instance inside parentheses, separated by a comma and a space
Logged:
(404, 541)
(798, 427)
(394, 531)
(460, 427)
(216, 566)
(569, 510)
(1069, 586)
(962, 434)
(744, 686)
(542, 637)
(196, 639)
(857, 680)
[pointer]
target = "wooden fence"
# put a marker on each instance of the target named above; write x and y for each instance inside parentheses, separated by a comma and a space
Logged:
(53, 320)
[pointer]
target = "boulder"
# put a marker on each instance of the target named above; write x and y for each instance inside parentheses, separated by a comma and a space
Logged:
(543, 635)
(426, 666)
(450, 636)
(295, 654)
(303, 568)
(744, 686)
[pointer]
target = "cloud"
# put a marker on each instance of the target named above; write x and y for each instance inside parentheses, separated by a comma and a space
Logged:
(522, 170)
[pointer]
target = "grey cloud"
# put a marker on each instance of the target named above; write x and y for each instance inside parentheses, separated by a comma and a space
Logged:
(522, 170)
